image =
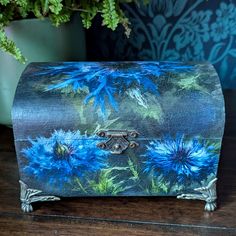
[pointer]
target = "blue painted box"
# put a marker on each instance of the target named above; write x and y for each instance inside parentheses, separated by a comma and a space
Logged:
(118, 129)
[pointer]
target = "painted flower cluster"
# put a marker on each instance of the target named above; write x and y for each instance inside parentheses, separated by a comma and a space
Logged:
(69, 160)
(61, 156)
(179, 161)
(154, 98)
(103, 82)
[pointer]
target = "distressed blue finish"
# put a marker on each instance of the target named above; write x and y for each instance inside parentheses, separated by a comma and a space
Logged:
(177, 108)
(194, 30)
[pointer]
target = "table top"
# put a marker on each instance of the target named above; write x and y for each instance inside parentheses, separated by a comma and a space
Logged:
(122, 215)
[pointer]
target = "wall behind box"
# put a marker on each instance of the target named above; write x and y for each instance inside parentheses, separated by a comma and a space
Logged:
(189, 30)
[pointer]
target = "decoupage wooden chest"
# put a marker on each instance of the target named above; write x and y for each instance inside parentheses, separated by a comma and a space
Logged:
(118, 129)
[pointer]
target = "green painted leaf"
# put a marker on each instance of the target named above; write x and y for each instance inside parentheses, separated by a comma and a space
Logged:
(134, 170)
(107, 183)
(157, 187)
(146, 105)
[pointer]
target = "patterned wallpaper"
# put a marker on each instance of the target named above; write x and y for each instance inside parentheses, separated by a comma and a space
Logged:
(189, 30)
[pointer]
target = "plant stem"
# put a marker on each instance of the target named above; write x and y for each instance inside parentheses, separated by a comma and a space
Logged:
(81, 186)
(80, 9)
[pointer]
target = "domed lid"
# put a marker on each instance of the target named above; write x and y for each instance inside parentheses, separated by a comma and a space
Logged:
(151, 98)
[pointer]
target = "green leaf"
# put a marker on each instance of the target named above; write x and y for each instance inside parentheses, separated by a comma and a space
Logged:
(59, 12)
(133, 169)
(45, 7)
(87, 16)
(109, 14)
(9, 46)
(25, 7)
(145, 105)
(55, 6)
(6, 16)
(37, 9)
(4, 2)
(62, 18)
(190, 82)
(78, 186)
(21, 3)
(107, 184)
(157, 186)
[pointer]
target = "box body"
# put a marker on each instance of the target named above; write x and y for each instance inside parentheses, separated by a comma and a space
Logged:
(118, 128)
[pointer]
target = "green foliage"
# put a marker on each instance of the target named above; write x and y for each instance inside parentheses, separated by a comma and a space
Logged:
(88, 13)
(191, 82)
(9, 46)
(22, 3)
(107, 183)
(61, 18)
(215, 146)
(156, 187)
(60, 11)
(78, 186)
(109, 123)
(4, 2)
(146, 105)
(110, 14)
(55, 6)
(133, 169)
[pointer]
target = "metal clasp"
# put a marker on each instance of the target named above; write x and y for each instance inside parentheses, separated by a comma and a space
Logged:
(117, 140)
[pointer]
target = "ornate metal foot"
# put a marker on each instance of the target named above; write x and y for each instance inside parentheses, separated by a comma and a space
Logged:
(207, 194)
(28, 196)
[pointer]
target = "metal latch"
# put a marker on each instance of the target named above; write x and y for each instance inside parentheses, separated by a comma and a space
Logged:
(118, 140)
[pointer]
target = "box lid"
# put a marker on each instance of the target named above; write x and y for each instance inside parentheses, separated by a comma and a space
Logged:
(153, 98)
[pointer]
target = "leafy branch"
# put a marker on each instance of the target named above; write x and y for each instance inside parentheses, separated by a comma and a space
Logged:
(59, 12)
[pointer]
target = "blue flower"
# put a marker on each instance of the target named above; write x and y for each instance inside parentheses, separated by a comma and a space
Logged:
(106, 80)
(180, 161)
(62, 156)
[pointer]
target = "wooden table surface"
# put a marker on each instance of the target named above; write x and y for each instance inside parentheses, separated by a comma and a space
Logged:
(121, 216)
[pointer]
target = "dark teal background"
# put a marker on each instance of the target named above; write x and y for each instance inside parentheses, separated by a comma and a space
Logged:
(193, 30)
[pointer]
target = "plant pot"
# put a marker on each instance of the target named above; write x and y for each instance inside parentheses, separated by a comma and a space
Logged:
(39, 41)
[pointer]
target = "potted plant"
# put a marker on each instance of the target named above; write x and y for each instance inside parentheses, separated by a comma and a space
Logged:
(27, 33)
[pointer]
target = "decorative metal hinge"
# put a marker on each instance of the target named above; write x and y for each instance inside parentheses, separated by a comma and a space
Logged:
(117, 140)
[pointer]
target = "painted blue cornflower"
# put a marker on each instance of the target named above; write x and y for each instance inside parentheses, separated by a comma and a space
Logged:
(180, 161)
(62, 156)
(105, 80)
